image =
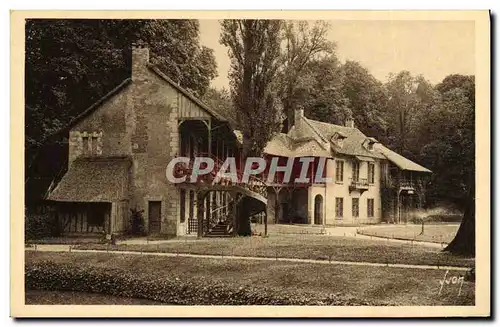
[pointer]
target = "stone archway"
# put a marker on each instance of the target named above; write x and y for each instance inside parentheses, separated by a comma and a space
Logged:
(318, 210)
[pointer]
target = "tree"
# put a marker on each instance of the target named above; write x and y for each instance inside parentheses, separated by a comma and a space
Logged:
(220, 101)
(302, 43)
(464, 241)
(321, 91)
(446, 136)
(72, 63)
(447, 132)
(367, 99)
(253, 46)
(408, 97)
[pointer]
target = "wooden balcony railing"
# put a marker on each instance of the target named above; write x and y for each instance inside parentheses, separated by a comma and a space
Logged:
(359, 184)
(254, 184)
(404, 184)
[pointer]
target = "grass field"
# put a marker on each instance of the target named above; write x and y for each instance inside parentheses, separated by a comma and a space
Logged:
(303, 247)
(432, 233)
(349, 285)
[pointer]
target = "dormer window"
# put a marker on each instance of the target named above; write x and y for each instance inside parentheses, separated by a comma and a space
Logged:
(369, 143)
(338, 139)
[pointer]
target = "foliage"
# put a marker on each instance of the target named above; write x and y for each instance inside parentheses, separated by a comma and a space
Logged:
(137, 225)
(446, 141)
(302, 43)
(167, 289)
(407, 97)
(220, 101)
(40, 225)
(322, 96)
(253, 47)
(367, 99)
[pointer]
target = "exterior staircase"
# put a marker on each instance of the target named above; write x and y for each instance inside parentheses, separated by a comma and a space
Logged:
(222, 229)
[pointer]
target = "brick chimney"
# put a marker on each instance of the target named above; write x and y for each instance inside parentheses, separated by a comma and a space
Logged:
(140, 60)
(349, 122)
(298, 115)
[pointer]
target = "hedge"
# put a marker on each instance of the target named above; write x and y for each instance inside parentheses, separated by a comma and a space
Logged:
(169, 289)
(40, 225)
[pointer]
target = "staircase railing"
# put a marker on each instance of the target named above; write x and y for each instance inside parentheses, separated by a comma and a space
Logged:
(215, 219)
(254, 184)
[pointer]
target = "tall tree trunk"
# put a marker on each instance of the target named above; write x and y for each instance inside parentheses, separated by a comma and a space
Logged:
(465, 240)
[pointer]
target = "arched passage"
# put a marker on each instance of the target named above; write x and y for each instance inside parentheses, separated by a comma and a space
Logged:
(318, 210)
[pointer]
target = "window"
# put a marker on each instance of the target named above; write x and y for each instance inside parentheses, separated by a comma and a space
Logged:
(355, 171)
(355, 207)
(85, 145)
(371, 173)
(94, 146)
(339, 207)
(183, 205)
(339, 173)
(90, 144)
(370, 205)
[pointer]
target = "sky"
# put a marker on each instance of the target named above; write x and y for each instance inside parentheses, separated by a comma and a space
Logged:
(434, 49)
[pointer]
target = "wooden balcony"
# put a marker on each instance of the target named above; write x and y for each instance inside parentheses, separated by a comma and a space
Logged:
(406, 185)
(401, 184)
(360, 185)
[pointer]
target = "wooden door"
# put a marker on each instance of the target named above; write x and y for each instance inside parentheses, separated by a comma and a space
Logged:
(154, 215)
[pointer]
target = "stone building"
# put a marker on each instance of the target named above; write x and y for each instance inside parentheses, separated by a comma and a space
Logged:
(120, 147)
(119, 150)
(368, 182)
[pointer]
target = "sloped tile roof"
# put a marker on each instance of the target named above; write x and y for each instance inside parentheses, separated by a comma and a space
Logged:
(285, 146)
(94, 180)
(279, 145)
(186, 93)
(353, 142)
(400, 161)
(308, 140)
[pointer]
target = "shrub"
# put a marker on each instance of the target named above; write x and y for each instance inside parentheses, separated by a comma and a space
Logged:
(137, 225)
(438, 218)
(40, 225)
(169, 288)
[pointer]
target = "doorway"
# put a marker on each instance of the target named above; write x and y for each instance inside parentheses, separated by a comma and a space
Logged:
(318, 210)
(154, 217)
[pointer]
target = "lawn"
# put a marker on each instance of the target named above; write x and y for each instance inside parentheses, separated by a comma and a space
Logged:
(303, 247)
(432, 233)
(67, 297)
(337, 285)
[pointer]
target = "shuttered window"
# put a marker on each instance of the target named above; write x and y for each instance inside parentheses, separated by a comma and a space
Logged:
(355, 171)
(371, 173)
(339, 207)
(85, 146)
(339, 173)
(355, 207)
(370, 206)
